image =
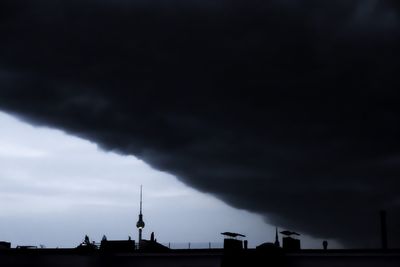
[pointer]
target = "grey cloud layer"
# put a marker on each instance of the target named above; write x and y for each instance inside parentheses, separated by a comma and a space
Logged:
(286, 108)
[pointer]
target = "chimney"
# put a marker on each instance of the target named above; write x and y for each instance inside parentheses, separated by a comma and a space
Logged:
(383, 229)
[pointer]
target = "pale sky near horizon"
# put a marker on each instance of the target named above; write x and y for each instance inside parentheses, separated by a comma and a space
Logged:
(55, 188)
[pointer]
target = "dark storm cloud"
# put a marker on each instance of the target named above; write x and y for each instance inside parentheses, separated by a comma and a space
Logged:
(286, 108)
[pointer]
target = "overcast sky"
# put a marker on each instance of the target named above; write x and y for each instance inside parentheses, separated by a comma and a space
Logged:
(287, 109)
(55, 188)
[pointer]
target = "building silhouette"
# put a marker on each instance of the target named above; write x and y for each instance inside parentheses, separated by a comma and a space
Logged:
(121, 253)
(86, 245)
(117, 245)
(5, 245)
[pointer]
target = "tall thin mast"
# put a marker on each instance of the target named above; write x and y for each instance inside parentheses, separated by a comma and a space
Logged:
(141, 186)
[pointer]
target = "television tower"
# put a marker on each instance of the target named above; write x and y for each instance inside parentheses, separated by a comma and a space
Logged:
(140, 222)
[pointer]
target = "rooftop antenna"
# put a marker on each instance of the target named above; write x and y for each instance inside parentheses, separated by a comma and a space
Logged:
(141, 187)
(140, 223)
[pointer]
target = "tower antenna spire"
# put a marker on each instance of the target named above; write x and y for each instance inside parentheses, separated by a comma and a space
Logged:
(141, 186)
